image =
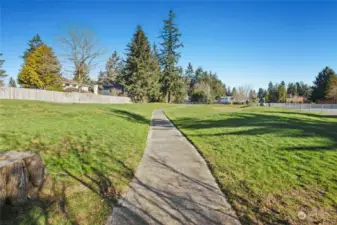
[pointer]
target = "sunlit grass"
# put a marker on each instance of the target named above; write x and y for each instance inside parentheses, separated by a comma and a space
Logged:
(271, 163)
(90, 151)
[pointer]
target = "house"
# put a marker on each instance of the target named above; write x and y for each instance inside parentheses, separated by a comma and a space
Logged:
(226, 100)
(115, 89)
(73, 86)
(295, 99)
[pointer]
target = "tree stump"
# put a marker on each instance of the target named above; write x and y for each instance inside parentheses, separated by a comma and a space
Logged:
(21, 173)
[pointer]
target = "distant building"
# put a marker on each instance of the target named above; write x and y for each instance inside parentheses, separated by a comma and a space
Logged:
(73, 86)
(295, 99)
(226, 100)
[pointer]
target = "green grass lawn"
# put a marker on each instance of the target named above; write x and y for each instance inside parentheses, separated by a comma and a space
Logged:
(271, 163)
(90, 151)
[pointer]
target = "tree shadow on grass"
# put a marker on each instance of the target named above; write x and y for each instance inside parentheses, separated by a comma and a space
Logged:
(130, 116)
(76, 168)
(301, 113)
(153, 204)
(260, 124)
(255, 124)
(37, 209)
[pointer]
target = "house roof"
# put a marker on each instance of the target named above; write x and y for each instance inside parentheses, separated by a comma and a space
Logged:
(67, 81)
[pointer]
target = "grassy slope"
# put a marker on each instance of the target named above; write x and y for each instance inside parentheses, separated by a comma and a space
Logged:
(90, 152)
(271, 163)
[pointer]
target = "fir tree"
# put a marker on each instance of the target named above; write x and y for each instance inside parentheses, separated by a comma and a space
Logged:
(229, 93)
(41, 70)
(112, 68)
(155, 53)
(266, 96)
(225, 89)
(169, 55)
(199, 73)
(34, 43)
(190, 78)
(101, 79)
(282, 92)
(189, 72)
(180, 86)
(11, 82)
(234, 92)
(260, 95)
(154, 76)
(3, 74)
(273, 92)
(137, 75)
(321, 84)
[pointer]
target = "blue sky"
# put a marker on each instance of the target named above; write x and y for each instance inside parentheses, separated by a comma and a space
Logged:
(243, 42)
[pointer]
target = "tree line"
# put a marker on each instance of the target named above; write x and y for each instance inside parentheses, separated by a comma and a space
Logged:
(150, 73)
(324, 88)
(147, 74)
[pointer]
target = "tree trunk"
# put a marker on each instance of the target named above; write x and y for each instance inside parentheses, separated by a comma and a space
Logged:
(169, 97)
(21, 175)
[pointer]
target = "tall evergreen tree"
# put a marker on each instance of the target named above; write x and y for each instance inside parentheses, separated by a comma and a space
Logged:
(292, 89)
(199, 73)
(101, 79)
(266, 96)
(3, 74)
(154, 94)
(190, 78)
(189, 72)
(273, 92)
(154, 52)
(112, 67)
(229, 92)
(321, 84)
(113, 70)
(137, 75)
(225, 89)
(282, 92)
(180, 86)
(270, 86)
(41, 70)
(34, 43)
(303, 89)
(260, 95)
(11, 82)
(169, 55)
(234, 92)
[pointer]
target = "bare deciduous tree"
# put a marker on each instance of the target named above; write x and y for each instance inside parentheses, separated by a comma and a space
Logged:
(82, 51)
(242, 93)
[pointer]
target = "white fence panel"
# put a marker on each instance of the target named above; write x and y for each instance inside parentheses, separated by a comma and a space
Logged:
(320, 108)
(60, 97)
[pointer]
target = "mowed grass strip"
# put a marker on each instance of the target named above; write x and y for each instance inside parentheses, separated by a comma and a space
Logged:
(91, 153)
(271, 163)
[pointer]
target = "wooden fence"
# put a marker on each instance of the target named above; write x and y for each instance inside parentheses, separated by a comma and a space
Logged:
(60, 97)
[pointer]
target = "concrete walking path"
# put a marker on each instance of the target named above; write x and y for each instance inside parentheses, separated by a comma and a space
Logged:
(172, 184)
